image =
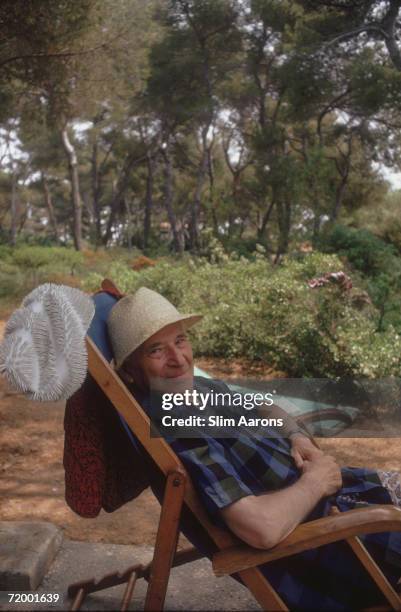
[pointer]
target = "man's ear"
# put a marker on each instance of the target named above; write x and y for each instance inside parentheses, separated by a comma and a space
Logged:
(137, 379)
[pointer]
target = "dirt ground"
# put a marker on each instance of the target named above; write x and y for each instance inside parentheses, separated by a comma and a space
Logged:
(32, 477)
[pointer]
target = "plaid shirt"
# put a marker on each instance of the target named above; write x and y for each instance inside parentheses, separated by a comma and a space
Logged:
(224, 470)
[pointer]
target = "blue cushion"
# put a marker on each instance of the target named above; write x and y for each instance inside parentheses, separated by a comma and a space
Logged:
(104, 302)
(97, 332)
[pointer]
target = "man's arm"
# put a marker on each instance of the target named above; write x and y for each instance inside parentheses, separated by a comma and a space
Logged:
(264, 520)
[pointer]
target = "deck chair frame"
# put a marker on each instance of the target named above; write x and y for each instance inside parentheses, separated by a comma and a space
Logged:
(233, 556)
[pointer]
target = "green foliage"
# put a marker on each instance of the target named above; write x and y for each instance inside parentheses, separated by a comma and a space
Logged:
(364, 250)
(130, 76)
(378, 262)
(11, 279)
(35, 257)
(276, 14)
(186, 65)
(119, 271)
(25, 267)
(374, 86)
(385, 220)
(38, 40)
(251, 308)
(243, 247)
(211, 247)
(5, 253)
(258, 311)
(306, 84)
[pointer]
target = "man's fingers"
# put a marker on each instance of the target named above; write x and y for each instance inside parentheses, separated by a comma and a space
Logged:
(306, 465)
(296, 455)
(314, 453)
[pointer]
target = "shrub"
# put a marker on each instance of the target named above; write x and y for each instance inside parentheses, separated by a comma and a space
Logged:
(243, 247)
(379, 264)
(258, 311)
(118, 271)
(23, 268)
(5, 253)
(36, 257)
(364, 250)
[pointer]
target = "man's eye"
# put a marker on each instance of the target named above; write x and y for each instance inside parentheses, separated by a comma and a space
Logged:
(181, 340)
(155, 351)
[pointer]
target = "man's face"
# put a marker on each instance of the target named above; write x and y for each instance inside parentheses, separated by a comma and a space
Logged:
(166, 359)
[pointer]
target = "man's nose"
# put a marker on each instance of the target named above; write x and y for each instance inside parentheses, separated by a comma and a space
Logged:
(175, 356)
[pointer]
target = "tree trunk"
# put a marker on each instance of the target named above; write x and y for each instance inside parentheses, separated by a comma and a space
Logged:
(265, 220)
(122, 185)
(340, 191)
(14, 210)
(284, 225)
(196, 204)
(148, 202)
(49, 206)
(215, 221)
(128, 214)
(96, 193)
(75, 193)
(22, 219)
(168, 201)
(230, 220)
(317, 220)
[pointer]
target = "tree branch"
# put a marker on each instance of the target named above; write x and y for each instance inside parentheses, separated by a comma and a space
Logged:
(389, 23)
(369, 27)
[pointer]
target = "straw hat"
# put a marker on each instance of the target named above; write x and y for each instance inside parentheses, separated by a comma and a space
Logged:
(135, 318)
(43, 353)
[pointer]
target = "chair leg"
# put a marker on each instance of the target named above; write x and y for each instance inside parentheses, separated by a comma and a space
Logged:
(129, 589)
(262, 590)
(373, 570)
(157, 572)
(166, 541)
(79, 590)
(80, 596)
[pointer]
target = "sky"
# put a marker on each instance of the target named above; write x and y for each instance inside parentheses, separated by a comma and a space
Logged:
(393, 176)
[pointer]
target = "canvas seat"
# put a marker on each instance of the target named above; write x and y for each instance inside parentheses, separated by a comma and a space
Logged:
(181, 509)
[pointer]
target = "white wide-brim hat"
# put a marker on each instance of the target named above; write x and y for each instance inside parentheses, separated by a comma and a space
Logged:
(135, 318)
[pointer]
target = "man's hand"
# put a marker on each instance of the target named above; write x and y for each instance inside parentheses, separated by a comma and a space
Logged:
(264, 520)
(323, 474)
(302, 449)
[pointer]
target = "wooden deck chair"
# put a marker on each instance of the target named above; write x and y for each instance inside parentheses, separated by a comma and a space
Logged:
(228, 554)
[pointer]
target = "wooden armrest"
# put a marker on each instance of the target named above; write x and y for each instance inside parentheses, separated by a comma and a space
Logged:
(316, 533)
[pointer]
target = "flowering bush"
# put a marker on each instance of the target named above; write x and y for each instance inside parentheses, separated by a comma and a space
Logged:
(256, 310)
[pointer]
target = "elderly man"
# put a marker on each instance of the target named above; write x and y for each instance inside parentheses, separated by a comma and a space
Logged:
(262, 487)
